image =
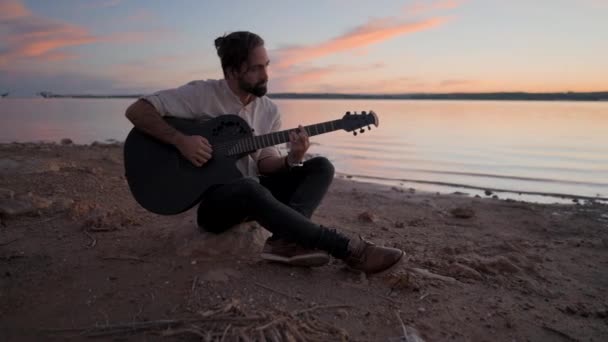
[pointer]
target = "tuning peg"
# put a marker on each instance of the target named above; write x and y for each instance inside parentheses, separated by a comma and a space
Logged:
(369, 128)
(362, 130)
(347, 113)
(354, 133)
(363, 112)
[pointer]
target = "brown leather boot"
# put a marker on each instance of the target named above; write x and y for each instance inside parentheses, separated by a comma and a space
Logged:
(366, 257)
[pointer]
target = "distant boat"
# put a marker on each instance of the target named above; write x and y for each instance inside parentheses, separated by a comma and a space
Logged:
(5, 94)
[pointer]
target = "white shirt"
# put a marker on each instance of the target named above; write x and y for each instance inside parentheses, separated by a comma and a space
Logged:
(211, 98)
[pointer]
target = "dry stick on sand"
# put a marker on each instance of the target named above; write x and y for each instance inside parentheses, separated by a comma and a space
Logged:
(133, 327)
(93, 240)
(560, 333)
(49, 219)
(402, 324)
(9, 242)
(273, 290)
(430, 275)
(150, 325)
(124, 257)
(356, 287)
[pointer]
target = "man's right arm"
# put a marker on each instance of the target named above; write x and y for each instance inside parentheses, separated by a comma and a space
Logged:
(146, 118)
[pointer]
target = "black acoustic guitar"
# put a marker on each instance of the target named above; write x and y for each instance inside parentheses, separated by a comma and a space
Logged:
(164, 182)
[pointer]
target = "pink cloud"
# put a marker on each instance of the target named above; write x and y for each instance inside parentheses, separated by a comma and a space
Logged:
(10, 9)
(30, 36)
(301, 78)
(400, 84)
(373, 32)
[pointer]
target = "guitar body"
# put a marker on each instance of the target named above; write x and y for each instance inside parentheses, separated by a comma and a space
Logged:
(163, 181)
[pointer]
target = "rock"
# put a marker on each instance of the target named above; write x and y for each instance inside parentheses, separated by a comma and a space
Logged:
(417, 222)
(66, 141)
(464, 213)
(31, 166)
(9, 207)
(7, 165)
(488, 192)
(412, 190)
(394, 188)
(399, 224)
(6, 193)
(61, 204)
(496, 265)
(495, 197)
(90, 170)
(219, 275)
(37, 202)
(368, 217)
(465, 271)
(241, 240)
(342, 313)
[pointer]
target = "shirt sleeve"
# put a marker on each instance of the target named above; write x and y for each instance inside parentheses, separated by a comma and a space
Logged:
(179, 102)
(272, 151)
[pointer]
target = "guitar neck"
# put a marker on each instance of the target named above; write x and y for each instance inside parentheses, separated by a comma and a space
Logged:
(256, 142)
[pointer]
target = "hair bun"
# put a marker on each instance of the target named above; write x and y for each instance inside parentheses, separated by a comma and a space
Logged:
(219, 42)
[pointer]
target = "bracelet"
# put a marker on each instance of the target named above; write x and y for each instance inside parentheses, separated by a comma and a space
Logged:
(290, 165)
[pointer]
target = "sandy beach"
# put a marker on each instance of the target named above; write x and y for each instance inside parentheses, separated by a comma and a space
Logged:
(79, 258)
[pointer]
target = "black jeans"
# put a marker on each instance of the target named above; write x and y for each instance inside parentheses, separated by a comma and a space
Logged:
(283, 203)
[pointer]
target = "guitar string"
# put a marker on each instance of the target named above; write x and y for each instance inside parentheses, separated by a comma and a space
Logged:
(226, 147)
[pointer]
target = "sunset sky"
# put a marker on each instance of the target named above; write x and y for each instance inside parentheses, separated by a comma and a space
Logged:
(118, 46)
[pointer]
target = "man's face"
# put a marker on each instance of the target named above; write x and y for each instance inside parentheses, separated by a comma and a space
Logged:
(253, 77)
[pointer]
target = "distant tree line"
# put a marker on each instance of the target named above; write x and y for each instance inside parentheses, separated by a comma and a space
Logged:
(512, 96)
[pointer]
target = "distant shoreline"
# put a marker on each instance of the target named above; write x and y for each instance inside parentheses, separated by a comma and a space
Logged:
(499, 96)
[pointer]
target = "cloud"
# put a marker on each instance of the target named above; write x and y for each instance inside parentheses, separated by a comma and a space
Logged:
(29, 36)
(10, 9)
(421, 6)
(293, 63)
(25, 82)
(402, 84)
(141, 15)
(102, 4)
(372, 32)
(26, 35)
(310, 78)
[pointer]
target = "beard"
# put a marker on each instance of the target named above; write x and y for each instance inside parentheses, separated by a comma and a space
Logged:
(259, 89)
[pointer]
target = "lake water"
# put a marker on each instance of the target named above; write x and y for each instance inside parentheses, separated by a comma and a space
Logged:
(513, 147)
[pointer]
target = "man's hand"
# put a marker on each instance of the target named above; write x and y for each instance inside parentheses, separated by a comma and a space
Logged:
(299, 144)
(194, 148)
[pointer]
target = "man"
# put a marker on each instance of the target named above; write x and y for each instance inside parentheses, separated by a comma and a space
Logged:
(280, 192)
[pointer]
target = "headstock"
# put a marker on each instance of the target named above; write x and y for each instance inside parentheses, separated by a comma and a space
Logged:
(351, 122)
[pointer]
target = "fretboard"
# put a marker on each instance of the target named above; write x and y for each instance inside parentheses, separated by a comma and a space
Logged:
(256, 142)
